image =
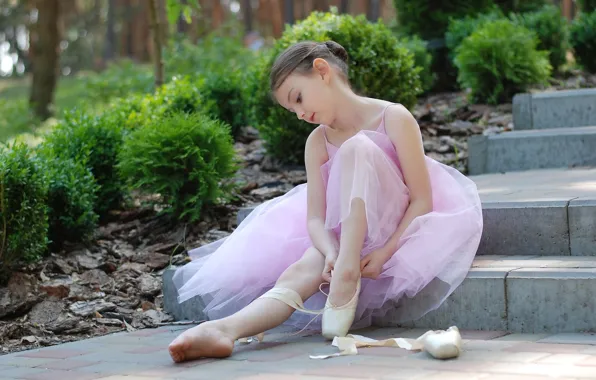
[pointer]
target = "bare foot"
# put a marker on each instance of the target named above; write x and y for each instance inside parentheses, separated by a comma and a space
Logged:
(204, 340)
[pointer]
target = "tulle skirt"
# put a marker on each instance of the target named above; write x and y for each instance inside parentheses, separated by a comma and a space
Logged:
(432, 258)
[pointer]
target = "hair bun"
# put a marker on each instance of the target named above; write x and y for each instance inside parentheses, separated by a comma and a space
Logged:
(337, 50)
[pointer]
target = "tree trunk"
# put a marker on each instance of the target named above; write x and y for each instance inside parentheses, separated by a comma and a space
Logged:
(45, 66)
(110, 42)
(344, 6)
(247, 15)
(289, 11)
(157, 42)
(373, 10)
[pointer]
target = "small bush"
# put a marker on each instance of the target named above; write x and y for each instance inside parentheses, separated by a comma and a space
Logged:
(500, 59)
(422, 59)
(551, 29)
(182, 157)
(72, 195)
(93, 141)
(459, 29)
(224, 90)
(23, 212)
(583, 40)
(379, 67)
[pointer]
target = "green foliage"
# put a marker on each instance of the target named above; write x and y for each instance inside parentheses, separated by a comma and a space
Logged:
(175, 8)
(430, 18)
(583, 40)
(422, 58)
(499, 60)
(182, 157)
(119, 80)
(551, 29)
(72, 195)
(521, 6)
(380, 67)
(93, 141)
(16, 118)
(587, 6)
(23, 212)
(227, 97)
(459, 29)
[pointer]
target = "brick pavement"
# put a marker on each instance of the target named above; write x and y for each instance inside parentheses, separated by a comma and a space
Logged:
(142, 355)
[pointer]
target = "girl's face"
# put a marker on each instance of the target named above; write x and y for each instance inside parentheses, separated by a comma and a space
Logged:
(308, 95)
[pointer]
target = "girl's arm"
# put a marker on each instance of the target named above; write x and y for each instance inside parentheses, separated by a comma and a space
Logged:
(404, 132)
(315, 155)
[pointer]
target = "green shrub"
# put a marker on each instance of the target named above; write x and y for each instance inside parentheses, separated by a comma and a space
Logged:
(23, 212)
(430, 18)
(551, 29)
(379, 67)
(224, 85)
(182, 157)
(226, 95)
(583, 40)
(72, 195)
(422, 58)
(459, 29)
(500, 59)
(119, 80)
(94, 141)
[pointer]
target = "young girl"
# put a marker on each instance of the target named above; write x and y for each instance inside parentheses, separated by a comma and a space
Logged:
(390, 230)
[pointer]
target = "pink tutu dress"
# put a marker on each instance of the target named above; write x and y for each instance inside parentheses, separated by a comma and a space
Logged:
(432, 259)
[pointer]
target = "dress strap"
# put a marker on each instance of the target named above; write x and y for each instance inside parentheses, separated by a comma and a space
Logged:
(382, 125)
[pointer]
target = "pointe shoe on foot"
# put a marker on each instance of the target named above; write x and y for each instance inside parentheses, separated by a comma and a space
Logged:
(337, 320)
(443, 344)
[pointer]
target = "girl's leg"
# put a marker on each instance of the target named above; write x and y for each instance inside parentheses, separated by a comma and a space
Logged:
(347, 266)
(216, 338)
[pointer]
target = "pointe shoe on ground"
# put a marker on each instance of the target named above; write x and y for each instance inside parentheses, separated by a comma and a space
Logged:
(443, 344)
(337, 320)
(440, 344)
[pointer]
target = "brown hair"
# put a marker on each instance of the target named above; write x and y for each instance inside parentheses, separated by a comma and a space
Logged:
(300, 56)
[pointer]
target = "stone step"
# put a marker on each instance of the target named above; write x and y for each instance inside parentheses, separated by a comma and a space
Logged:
(555, 109)
(535, 149)
(545, 212)
(521, 294)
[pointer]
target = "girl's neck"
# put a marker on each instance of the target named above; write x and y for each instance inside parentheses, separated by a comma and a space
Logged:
(354, 112)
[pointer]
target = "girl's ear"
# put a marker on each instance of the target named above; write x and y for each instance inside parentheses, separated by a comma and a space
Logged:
(322, 69)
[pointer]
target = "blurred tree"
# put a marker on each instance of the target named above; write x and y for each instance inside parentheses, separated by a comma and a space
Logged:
(46, 42)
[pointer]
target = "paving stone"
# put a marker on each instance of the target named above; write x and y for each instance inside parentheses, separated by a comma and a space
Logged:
(351, 371)
(52, 374)
(409, 374)
(547, 347)
(545, 370)
(519, 337)
(53, 353)
(19, 372)
(449, 375)
(571, 338)
(499, 356)
(283, 376)
(67, 364)
(564, 358)
(16, 361)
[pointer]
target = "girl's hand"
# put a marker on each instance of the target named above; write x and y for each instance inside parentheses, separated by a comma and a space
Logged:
(329, 266)
(372, 264)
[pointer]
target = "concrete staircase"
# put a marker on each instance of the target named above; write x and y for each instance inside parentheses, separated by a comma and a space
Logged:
(552, 130)
(535, 269)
